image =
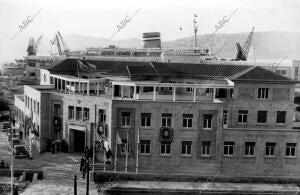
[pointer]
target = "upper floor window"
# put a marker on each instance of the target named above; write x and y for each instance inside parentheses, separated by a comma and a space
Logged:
(186, 147)
(280, 118)
(242, 116)
(38, 108)
(228, 148)
(102, 116)
(166, 120)
(290, 150)
(249, 148)
(282, 72)
(270, 149)
(71, 112)
(145, 119)
(86, 114)
(125, 121)
(263, 93)
(262, 116)
(207, 121)
(78, 113)
(187, 120)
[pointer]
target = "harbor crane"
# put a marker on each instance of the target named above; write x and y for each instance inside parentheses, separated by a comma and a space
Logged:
(33, 46)
(60, 44)
(242, 54)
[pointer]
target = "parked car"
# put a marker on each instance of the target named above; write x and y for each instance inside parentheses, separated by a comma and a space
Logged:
(15, 142)
(20, 151)
(14, 136)
(5, 126)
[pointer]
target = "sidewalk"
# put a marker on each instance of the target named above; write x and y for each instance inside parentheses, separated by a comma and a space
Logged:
(201, 187)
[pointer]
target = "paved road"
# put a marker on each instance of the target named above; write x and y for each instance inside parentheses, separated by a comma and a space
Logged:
(58, 171)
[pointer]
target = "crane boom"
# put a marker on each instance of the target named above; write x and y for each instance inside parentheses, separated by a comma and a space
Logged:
(242, 53)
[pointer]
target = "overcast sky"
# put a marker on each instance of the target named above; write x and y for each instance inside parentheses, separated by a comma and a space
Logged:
(173, 18)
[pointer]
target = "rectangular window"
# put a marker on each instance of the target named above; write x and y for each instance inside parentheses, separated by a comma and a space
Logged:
(145, 146)
(38, 107)
(207, 121)
(242, 116)
(86, 114)
(187, 120)
(102, 116)
(280, 117)
(225, 118)
(165, 148)
(228, 148)
(186, 147)
(145, 119)
(56, 109)
(34, 106)
(262, 116)
(290, 150)
(125, 122)
(166, 120)
(282, 72)
(249, 148)
(71, 112)
(296, 73)
(26, 100)
(263, 93)
(78, 113)
(270, 149)
(30, 104)
(206, 148)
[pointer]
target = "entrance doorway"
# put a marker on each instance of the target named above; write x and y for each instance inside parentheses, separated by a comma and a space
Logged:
(79, 141)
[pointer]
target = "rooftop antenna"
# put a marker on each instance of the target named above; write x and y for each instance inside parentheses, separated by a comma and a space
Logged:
(195, 29)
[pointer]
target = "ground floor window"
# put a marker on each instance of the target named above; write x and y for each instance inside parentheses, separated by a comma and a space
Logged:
(228, 148)
(249, 148)
(290, 150)
(270, 149)
(186, 147)
(145, 146)
(206, 145)
(165, 148)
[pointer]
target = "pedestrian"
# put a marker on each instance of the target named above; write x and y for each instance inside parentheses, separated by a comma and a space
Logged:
(53, 147)
(81, 163)
(21, 134)
(84, 169)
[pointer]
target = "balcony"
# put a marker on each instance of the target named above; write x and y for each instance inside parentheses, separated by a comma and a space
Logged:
(155, 91)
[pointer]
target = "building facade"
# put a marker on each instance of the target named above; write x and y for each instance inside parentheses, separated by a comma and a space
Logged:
(172, 118)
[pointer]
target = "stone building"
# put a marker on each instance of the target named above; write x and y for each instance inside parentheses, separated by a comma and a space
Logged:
(204, 119)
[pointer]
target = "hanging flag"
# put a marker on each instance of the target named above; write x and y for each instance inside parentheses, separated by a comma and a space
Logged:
(119, 141)
(195, 16)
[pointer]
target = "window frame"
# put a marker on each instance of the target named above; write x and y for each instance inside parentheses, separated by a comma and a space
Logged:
(228, 145)
(167, 146)
(73, 113)
(144, 146)
(78, 115)
(125, 117)
(289, 149)
(167, 117)
(277, 115)
(270, 147)
(206, 148)
(249, 148)
(243, 115)
(263, 93)
(189, 121)
(102, 115)
(145, 120)
(186, 148)
(205, 124)
(86, 111)
(266, 119)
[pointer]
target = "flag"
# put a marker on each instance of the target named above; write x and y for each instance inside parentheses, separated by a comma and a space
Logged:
(118, 140)
(195, 15)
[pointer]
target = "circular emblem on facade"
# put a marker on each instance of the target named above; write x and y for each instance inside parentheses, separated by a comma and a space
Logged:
(78, 101)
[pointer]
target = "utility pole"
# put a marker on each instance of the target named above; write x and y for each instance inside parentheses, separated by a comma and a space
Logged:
(12, 156)
(87, 175)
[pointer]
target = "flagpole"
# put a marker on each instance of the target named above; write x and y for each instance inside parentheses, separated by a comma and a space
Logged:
(104, 156)
(126, 160)
(137, 151)
(94, 138)
(116, 150)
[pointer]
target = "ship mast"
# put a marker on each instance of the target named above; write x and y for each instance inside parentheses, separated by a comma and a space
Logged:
(195, 29)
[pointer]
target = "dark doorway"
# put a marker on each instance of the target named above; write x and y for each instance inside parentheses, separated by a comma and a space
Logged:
(79, 141)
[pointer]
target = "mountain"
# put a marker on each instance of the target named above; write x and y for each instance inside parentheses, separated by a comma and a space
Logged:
(265, 45)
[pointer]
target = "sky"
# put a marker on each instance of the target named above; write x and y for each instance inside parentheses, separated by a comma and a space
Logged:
(173, 18)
